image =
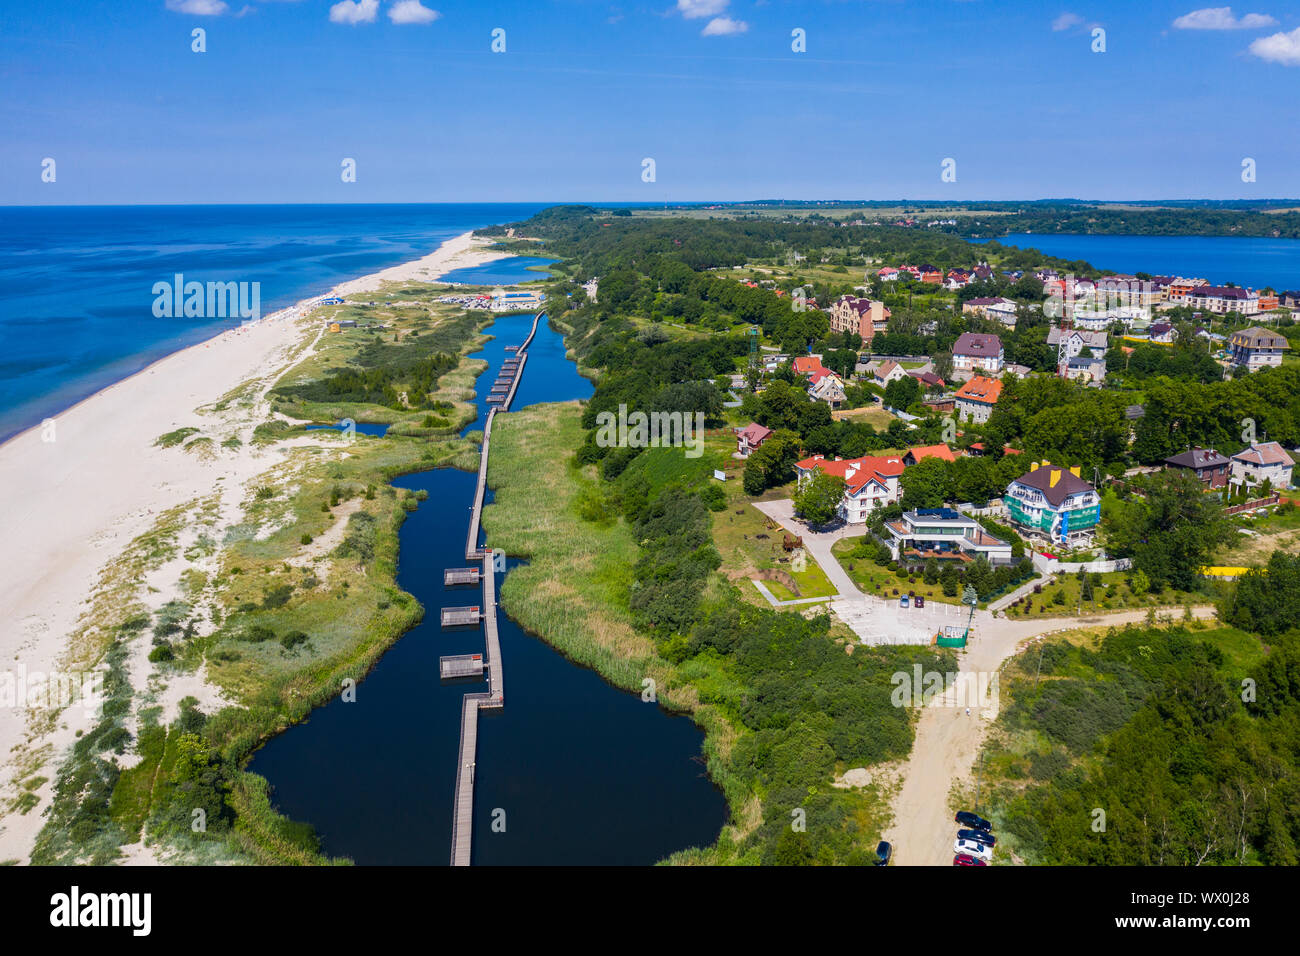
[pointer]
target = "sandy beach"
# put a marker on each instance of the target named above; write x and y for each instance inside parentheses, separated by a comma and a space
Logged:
(92, 480)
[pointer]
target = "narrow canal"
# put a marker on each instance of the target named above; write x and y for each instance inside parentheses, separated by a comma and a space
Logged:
(580, 772)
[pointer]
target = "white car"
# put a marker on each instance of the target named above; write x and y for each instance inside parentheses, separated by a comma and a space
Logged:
(977, 850)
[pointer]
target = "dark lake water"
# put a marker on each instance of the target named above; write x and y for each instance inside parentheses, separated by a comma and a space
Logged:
(361, 428)
(585, 773)
(1246, 261)
(501, 272)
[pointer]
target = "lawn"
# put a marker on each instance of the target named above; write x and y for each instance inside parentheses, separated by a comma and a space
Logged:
(873, 415)
(876, 579)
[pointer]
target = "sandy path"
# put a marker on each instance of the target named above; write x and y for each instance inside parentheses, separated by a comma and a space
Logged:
(948, 742)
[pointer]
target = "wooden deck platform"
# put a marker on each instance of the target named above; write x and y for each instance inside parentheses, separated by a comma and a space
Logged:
(460, 665)
(454, 576)
(461, 616)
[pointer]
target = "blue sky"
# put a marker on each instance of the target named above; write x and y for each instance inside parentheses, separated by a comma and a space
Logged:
(586, 89)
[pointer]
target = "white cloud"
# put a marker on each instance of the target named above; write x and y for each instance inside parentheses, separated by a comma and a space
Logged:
(354, 11)
(723, 26)
(1221, 18)
(1281, 48)
(198, 8)
(411, 11)
(1065, 21)
(696, 9)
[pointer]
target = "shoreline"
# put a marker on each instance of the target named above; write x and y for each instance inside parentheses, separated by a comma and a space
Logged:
(452, 254)
(99, 480)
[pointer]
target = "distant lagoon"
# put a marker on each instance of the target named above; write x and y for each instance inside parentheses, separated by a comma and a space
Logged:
(1245, 261)
(501, 271)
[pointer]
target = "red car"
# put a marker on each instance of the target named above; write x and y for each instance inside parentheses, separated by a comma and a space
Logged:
(965, 859)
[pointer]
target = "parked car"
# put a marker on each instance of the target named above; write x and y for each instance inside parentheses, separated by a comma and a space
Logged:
(968, 819)
(979, 836)
(884, 853)
(965, 859)
(977, 850)
(902, 602)
(920, 601)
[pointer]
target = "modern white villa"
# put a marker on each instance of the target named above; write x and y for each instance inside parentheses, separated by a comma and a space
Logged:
(944, 534)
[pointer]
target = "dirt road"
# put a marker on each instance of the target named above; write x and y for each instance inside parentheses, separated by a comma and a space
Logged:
(948, 741)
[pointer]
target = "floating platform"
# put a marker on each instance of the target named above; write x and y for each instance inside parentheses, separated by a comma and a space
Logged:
(460, 665)
(453, 576)
(461, 616)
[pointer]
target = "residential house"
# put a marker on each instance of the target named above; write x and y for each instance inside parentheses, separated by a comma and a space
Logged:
(1266, 461)
(977, 449)
(1055, 504)
(922, 452)
(870, 482)
(995, 308)
(864, 317)
(750, 437)
(1223, 299)
(808, 364)
(1255, 348)
(929, 381)
(1209, 467)
(825, 386)
(887, 274)
(943, 534)
(957, 279)
(975, 399)
(977, 353)
(1180, 290)
(1089, 370)
(886, 372)
(1076, 340)
(1162, 333)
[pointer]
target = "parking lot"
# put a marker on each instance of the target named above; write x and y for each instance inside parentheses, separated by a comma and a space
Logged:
(876, 621)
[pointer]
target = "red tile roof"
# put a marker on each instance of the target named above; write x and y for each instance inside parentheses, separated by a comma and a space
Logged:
(863, 470)
(981, 389)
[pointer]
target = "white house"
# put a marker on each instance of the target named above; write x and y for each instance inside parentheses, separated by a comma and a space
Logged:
(1263, 462)
(869, 482)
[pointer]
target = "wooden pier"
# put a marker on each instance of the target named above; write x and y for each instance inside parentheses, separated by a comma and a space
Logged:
(454, 576)
(461, 616)
(462, 823)
(460, 665)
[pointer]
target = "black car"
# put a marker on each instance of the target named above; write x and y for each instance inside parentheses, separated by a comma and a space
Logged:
(968, 819)
(884, 853)
(978, 836)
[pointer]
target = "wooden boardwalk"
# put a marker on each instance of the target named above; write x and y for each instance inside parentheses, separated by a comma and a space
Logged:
(462, 823)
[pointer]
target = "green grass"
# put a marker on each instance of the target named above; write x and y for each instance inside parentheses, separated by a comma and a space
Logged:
(173, 438)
